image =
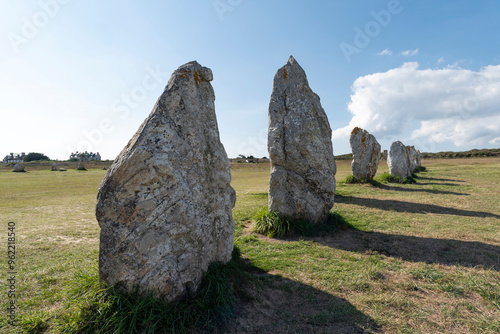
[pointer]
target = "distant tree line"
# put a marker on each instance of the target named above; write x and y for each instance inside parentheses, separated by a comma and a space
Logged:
(33, 156)
(475, 153)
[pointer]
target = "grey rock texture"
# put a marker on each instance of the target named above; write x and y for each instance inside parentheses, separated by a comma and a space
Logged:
(81, 166)
(54, 168)
(165, 204)
(398, 160)
(302, 182)
(419, 159)
(366, 154)
(384, 155)
(19, 168)
(412, 156)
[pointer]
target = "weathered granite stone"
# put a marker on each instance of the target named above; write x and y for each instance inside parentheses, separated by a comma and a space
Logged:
(19, 168)
(419, 159)
(412, 156)
(302, 183)
(54, 168)
(384, 155)
(165, 204)
(81, 166)
(62, 169)
(365, 154)
(398, 160)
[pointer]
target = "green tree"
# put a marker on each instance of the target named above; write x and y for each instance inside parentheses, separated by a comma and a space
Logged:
(35, 156)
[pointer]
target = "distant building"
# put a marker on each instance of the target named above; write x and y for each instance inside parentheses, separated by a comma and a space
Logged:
(85, 156)
(14, 157)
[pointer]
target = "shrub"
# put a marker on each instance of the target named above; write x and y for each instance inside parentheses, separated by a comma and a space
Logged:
(35, 157)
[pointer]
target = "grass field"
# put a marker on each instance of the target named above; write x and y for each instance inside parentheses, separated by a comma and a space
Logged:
(418, 258)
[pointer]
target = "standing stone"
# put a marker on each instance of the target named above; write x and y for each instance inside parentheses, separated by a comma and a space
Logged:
(19, 168)
(81, 166)
(398, 160)
(165, 204)
(54, 168)
(302, 183)
(365, 154)
(412, 156)
(384, 155)
(419, 159)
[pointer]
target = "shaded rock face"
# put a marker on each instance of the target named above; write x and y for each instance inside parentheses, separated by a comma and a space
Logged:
(19, 168)
(412, 157)
(384, 155)
(302, 182)
(398, 160)
(54, 168)
(165, 204)
(366, 154)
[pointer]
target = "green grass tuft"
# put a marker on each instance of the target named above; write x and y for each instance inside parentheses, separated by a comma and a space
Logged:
(273, 225)
(110, 310)
(351, 179)
(420, 169)
(386, 177)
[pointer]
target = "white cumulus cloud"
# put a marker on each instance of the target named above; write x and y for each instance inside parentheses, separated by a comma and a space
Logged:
(438, 108)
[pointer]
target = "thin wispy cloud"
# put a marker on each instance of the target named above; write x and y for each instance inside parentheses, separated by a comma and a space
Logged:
(440, 60)
(409, 53)
(385, 52)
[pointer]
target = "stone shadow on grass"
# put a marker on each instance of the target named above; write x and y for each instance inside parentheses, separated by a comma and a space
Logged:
(431, 191)
(436, 179)
(275, 304)
(410, 207)
(417, 249)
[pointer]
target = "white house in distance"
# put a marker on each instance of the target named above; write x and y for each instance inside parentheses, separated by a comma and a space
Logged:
(85, 156)
(14, 157)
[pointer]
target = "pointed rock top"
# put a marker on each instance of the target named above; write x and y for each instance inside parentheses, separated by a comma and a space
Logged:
(291, 75)
(292, 61)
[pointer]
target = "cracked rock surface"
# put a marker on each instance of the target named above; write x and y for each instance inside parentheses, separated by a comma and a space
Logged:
(366, 154)
(302, 182)
(399, 160)
(165, 204)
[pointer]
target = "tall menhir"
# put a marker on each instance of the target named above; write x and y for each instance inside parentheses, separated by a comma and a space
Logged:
(165, 205)
(302, 183)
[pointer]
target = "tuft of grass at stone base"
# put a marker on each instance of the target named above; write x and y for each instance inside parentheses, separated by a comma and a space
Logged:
(110, 310)
(386, 177)
(272, 224)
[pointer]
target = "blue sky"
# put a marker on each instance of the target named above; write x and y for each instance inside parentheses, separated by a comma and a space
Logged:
(83, 75)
